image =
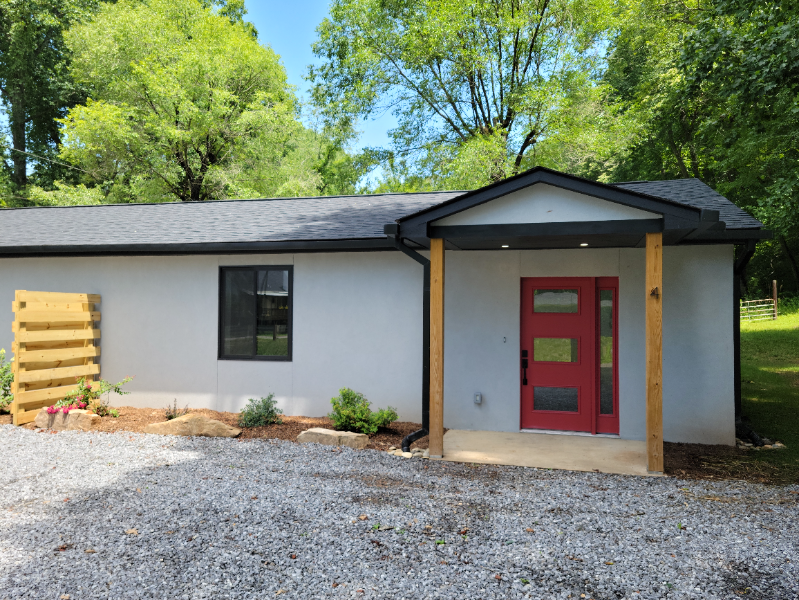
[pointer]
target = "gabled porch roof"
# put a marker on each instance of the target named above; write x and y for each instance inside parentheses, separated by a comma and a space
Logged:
(691, 214)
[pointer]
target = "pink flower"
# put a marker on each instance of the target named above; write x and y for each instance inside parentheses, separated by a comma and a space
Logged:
(88, 386)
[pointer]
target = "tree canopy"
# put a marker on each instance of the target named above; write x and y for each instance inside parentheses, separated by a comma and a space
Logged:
(178, 98)
(475, 85)
(34, 83)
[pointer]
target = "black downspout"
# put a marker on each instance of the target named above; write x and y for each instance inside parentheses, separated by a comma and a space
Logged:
(411, 438)
(738, 270)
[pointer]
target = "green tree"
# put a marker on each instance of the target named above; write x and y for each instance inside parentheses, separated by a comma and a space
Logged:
(181, 99)
(34, 83)
(747, 53)
(475, 85)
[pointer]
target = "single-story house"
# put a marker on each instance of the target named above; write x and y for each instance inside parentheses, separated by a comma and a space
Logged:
(541, 302)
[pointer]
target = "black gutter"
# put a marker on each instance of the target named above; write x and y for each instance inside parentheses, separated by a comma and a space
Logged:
(392, 231)
(737, 271)
(178, 249)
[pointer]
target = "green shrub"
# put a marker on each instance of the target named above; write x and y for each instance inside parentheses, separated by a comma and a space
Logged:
(6, 378)
(173, 412)
(351, 412)
(259, 413)
(91, 393)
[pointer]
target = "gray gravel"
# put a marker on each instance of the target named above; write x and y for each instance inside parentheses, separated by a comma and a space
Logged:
(265, 519)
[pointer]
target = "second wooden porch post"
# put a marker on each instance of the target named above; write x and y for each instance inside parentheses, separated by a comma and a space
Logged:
(654, 352)
(436, 348)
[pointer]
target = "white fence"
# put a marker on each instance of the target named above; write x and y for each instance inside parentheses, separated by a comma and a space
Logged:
(758, 310)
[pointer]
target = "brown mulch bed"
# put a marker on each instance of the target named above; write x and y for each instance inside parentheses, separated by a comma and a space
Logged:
(136, 419)
(704, 461)
(687, 461)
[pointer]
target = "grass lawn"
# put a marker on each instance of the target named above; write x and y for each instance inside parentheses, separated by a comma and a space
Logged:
(770, 390)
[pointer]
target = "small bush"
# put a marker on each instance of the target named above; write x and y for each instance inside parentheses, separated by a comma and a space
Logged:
(6, 378)
(351, 412)
(91, 393)
(259, 413)
(173, 412)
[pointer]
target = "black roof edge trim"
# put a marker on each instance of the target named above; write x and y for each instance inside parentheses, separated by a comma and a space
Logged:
(564, 228)
(562, 180)
(346, 245)
(737, 236)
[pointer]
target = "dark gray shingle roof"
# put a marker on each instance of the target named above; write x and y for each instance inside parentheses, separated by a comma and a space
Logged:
(273, 220)
(693, 192)
(231, 221)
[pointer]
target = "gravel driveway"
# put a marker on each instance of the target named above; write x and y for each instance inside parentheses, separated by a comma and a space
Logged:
(135, 516)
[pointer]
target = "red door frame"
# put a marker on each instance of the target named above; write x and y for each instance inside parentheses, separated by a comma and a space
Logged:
(588, 418)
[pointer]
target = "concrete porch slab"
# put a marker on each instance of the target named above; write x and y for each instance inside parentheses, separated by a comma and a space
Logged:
(568, 452)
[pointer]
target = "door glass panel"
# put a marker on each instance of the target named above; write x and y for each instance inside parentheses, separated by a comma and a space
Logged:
(555, 398)
(606, 352)
(555, 349)
(237, 319)
(273, 313)
(555, 301)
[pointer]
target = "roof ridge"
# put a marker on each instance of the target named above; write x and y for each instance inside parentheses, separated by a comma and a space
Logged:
(230, 200)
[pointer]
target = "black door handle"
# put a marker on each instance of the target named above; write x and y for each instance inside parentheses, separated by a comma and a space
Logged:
(524, 367)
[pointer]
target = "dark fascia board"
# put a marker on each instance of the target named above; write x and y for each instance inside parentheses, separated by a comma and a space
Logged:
(562, 180)
(567, 228)
(732, 235)
(349, 245)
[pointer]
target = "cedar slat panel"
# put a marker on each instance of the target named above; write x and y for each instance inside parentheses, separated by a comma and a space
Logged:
(53, 364)
(58, 354)
(59, 335)
(53, 306)
(60, 373)
(25, 296)
(54, 337)
(50, 394)
(25, 416)
(36, 316)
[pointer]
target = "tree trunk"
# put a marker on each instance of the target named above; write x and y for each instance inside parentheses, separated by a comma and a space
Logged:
(791, 259)
(17, 125)
(676, 152)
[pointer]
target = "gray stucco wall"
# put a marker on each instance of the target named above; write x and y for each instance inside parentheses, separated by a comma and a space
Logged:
(482, 327)
(357, 323)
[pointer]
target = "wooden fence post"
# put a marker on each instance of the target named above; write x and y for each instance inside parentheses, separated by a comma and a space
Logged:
(774, 295)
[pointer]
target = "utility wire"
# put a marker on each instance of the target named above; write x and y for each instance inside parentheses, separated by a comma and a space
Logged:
(50, 160)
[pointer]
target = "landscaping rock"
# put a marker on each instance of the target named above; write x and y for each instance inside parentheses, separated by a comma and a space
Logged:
(194, 425)
(330, 437)
(74, 420)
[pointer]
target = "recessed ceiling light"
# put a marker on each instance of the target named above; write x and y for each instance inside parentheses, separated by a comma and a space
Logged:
(505, 246)
(583, 245)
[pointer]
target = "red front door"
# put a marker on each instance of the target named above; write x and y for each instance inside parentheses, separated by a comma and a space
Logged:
(558, 339)
(568, 352)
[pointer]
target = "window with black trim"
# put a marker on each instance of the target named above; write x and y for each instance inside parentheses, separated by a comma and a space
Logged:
(255, 312)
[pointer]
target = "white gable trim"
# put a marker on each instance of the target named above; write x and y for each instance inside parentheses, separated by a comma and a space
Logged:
(543, 203)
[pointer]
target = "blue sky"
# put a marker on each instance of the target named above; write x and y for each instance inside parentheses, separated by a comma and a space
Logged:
(290, 29)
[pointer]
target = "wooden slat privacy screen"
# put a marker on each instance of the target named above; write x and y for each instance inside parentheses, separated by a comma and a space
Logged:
(53, 345)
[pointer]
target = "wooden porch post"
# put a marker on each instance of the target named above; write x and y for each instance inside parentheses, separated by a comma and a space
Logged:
(436, 348)
(654, 352)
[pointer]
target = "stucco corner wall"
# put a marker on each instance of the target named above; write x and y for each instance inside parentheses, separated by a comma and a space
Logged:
(698, 392)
